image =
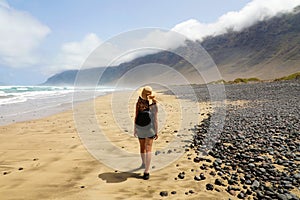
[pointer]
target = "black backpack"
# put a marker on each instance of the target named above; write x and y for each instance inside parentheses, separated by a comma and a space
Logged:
(143, 118)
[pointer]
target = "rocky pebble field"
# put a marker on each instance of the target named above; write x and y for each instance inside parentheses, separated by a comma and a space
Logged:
(256, 155)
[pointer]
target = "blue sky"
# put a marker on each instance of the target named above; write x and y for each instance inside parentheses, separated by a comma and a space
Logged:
(72, 19)
(41, 38)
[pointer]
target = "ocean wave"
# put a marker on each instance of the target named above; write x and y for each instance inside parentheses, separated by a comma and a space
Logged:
(11, 99)
(18, 94)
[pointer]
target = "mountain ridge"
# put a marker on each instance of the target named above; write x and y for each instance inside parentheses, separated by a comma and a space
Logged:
(273, 42)
(267, 50)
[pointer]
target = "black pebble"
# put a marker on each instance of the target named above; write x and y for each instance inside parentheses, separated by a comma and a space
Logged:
(212, 173)
(181, 175)
(268, 124)
(209, 186)
(241, 195)
(191, 191)
(163, 193)
(218, 182)
(202, 176)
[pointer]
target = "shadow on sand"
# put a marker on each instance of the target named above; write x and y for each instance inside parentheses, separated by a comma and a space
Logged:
(117, 177)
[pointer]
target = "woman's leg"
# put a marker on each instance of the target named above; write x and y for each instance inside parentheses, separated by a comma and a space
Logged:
(148, 148)
(143, 150)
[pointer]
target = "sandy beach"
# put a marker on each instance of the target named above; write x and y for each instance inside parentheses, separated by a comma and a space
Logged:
(45, 158)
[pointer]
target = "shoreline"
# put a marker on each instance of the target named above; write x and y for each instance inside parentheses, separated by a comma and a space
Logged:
(29, 112)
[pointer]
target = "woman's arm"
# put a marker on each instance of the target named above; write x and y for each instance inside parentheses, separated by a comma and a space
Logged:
(134, 126)
(155, 110)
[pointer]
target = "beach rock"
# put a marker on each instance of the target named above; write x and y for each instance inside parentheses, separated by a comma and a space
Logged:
(288, 186)
(231, 182)
(241, 195)
(209, 186)
(191, 191)
(202, 176)
(181, 175)
(259, 194)
(163, 193)
(262, 170)
(220, 173)
(255, 184)
(197, 159)
(281, 197)
(232, 192)
(219, 182)
(248, 192)
(268, 124)
(252, 165)
(197, 178)
(212, 173)
(296, 176)
(219, 161)
(259, 159)
(242, 180)
(248, 182)
(203, 167)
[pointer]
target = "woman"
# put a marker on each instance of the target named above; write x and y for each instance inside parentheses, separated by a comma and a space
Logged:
(145, 127)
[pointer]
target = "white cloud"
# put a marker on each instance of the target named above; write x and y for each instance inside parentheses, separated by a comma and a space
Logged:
(162, 38)
(21, 35)
(73, 54)
(90, 52)
(152, 41)
(256, 10)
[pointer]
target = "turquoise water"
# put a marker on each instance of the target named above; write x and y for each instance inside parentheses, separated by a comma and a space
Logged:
(17, 94)
(20, 103)
(20, 89)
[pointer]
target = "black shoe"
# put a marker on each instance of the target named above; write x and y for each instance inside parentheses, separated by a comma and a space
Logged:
(146, 176)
